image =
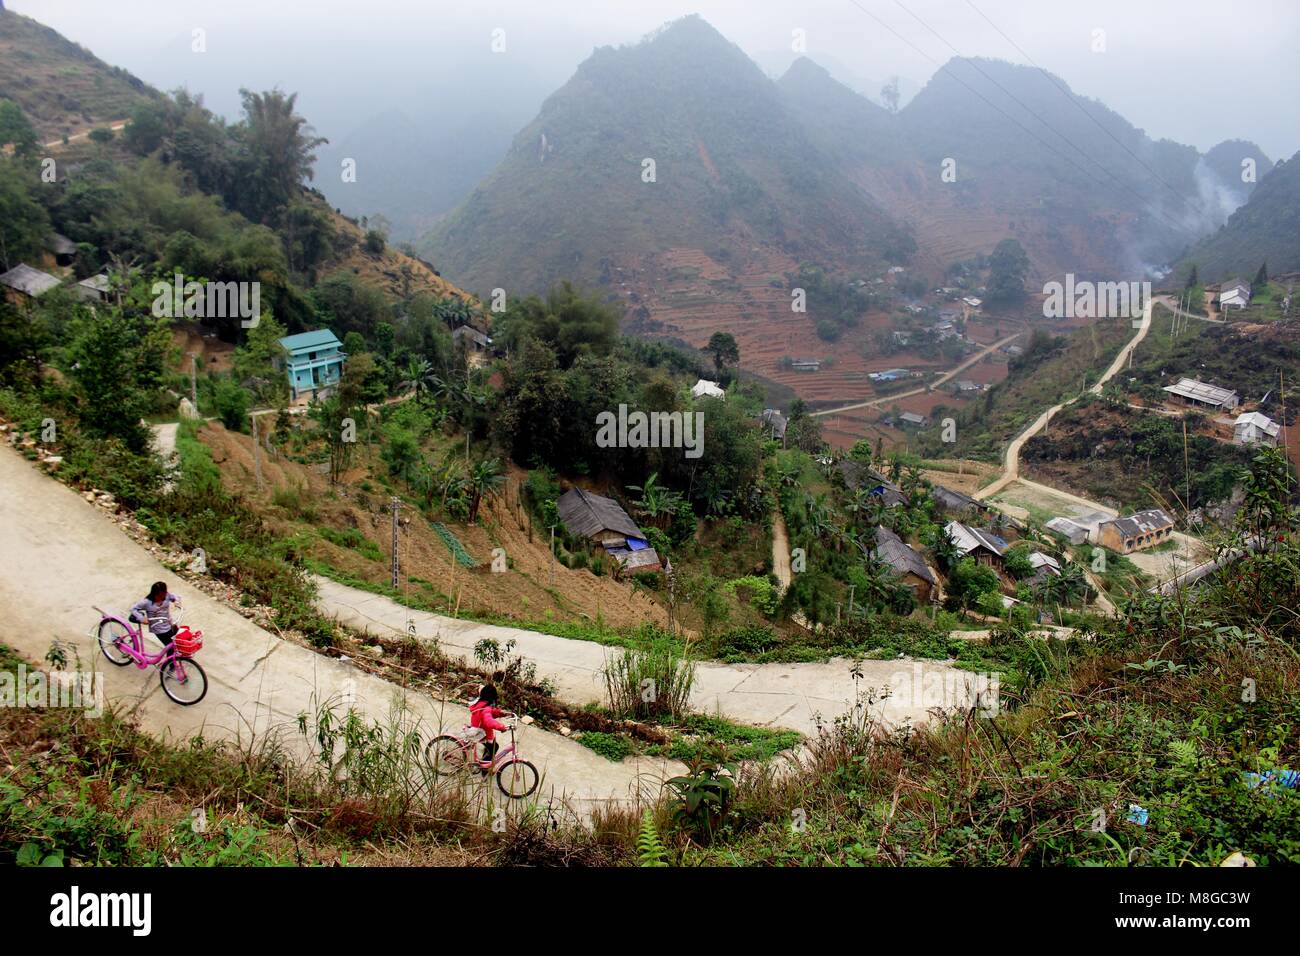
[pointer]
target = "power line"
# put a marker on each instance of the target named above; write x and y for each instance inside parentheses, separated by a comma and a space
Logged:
(975, 66)
(1008, 116)
(1079, 106)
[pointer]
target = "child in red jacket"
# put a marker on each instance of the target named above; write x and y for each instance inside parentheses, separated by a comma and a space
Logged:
(483, 714)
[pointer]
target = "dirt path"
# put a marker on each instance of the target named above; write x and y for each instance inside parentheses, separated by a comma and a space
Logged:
(1171, 304)
(781, 551)
(795, 696)
(924, 388)
(63, 555)
(1011, 461)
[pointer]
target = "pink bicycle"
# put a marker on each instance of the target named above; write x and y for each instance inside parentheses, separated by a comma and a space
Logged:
(183, 680)
(449, 754)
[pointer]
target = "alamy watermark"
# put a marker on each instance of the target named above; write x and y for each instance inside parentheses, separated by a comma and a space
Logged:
(41, 690)
(1095, 300)
(651, 430)
(945, 690)
(208, 300)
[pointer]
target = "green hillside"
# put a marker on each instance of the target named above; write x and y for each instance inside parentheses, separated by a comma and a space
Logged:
(61, 86)
(1266, 229)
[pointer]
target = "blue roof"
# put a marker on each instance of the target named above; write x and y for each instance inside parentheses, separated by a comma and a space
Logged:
(320, 338)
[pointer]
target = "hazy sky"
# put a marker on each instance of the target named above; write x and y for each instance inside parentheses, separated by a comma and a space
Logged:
(1197, 71)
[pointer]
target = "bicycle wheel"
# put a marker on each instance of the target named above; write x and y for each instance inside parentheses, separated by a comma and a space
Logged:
(112, 636)
(517, 779)
(446, 755)
(183, 680)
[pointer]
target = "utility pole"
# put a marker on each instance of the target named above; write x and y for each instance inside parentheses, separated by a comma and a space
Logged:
(194, 381)
(397, 507)
(851, 587)
(1187, 472)
(552, 557)
(257, 452)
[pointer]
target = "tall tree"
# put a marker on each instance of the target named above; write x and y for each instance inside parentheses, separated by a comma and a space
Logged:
(724, 350)
(279, 151)
(1008, 267)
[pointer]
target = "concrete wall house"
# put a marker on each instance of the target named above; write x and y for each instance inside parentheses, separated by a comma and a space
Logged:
(313, 362)
(1137, 532)
(1253, 428)
(1234, 293)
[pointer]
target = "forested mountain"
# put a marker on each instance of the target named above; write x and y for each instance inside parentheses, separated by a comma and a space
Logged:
(61, 86)
(1081, 188)
(1265, 230)
(732, 170)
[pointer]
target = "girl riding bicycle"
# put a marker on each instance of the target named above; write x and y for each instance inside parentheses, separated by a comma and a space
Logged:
(483, 714)
(155, 610)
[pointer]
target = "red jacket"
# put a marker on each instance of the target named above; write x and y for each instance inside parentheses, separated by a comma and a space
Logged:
(483, 715)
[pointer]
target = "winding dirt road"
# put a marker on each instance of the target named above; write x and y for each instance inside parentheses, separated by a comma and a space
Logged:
(929, 387)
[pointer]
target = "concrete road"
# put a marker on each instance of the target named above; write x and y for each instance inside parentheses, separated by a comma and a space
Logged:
(794, 696)
(929, 387)
(1011, 461)
(62, 555)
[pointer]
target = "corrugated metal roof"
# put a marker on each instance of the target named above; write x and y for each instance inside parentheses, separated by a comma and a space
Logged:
(586, 515)
(319, 338)
(1141, 522)
(953, 500)
(1262, 422)
(1200, 392)
(968, 539)
(29, 281)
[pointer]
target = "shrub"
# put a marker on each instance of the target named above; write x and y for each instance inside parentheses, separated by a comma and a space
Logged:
(650, 683)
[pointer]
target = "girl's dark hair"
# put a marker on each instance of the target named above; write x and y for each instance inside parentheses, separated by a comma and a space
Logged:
(488, 694)
(158, 587)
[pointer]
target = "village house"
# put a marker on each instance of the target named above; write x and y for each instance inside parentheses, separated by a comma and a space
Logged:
(889, 375)
(774, 423)
(704, 388)
(1197, 393)
(907, 563)
(314, 363)
(471, 338)
(856, 475)
(62, 248)
(93, 290)
(806, 365)
(955, 502)
(1137, 532)
(1071, 531)
(966, 386)
(601, 520)
(1252, 428)
(911, 420)
(1045, 566)
(24, 285)
(1234, 292)
(984, 546)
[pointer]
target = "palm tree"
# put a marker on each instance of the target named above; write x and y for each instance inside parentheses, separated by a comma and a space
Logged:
(418, 377)
(945, 550)
(484, 479)
(657, 502)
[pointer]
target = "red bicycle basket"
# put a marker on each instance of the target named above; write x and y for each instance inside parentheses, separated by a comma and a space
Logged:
(188, 642)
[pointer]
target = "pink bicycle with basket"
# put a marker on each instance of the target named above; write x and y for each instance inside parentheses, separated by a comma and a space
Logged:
(183, 680)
